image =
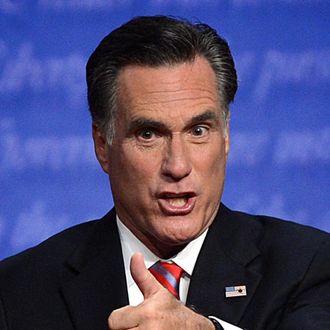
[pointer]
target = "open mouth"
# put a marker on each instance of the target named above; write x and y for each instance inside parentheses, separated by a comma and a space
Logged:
(177, 203)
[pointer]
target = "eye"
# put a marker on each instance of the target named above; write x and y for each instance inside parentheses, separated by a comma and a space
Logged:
(199, 130)
(146, 134)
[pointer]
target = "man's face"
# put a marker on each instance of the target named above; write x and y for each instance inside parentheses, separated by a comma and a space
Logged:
(167, 161)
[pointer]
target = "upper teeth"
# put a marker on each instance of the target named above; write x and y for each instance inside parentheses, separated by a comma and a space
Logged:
(180, 201)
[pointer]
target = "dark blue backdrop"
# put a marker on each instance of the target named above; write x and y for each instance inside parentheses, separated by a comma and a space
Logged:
(280, 125)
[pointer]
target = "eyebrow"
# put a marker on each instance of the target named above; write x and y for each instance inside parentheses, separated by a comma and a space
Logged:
(142, 122)
(205, 116)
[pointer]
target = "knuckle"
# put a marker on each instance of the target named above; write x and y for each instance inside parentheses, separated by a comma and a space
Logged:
(150, 312)
(153, 312)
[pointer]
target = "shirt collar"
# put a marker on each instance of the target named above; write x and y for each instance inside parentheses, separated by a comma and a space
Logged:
(186, 258)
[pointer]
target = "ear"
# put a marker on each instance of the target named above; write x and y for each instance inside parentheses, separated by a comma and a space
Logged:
(101, 148)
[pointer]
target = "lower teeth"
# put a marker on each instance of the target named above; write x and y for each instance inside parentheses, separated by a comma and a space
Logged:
(178, 201)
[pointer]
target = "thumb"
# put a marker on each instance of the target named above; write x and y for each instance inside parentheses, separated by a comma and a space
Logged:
(146, 282)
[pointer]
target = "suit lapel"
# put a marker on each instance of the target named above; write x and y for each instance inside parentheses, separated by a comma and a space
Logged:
(229, 257)
(95, 284)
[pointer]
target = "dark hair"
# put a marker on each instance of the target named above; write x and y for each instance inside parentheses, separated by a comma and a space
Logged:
(153, 41)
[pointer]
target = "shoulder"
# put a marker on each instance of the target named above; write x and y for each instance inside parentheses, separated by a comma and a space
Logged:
(33, 280)
(49, 253)
(50, 256)
(274, 228)
(280, 239)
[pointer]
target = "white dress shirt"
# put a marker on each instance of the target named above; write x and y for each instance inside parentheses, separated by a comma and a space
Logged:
(186, 259)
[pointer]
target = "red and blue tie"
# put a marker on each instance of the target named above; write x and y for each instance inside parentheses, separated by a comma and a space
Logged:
(169, 275)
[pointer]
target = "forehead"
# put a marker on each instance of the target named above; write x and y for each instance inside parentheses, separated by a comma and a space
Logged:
(170, 90)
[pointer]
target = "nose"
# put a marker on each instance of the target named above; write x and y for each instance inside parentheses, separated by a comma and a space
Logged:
(176, 162)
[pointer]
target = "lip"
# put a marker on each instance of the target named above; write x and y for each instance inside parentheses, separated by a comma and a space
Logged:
(175, 209)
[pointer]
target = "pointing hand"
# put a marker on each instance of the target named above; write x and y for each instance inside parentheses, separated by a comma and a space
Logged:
(160, 309)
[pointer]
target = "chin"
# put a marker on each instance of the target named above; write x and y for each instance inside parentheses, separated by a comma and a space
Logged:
(179, 237)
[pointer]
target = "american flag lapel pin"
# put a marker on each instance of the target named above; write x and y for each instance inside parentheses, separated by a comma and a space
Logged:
(235, 291)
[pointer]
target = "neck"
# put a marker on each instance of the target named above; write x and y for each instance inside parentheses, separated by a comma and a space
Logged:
(165, 252)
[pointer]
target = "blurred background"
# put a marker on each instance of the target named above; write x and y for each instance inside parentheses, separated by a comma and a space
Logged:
(280, 124)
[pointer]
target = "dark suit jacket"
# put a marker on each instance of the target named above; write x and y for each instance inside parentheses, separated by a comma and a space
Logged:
(76, 278)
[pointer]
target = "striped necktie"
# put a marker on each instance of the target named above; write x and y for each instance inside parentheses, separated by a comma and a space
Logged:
(167, 274)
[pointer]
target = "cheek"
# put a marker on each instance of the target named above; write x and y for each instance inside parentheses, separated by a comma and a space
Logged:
(139, 166)
(211, 172)
(212, 160)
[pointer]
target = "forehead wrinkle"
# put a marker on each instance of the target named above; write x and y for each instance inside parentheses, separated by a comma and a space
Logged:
(172, 100)
(184, 90)
(156, 97)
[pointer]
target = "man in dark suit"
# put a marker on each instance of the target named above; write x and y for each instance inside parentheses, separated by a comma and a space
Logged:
(159, 91)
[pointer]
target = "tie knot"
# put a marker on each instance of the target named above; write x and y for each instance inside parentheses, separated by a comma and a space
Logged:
(168, 274)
